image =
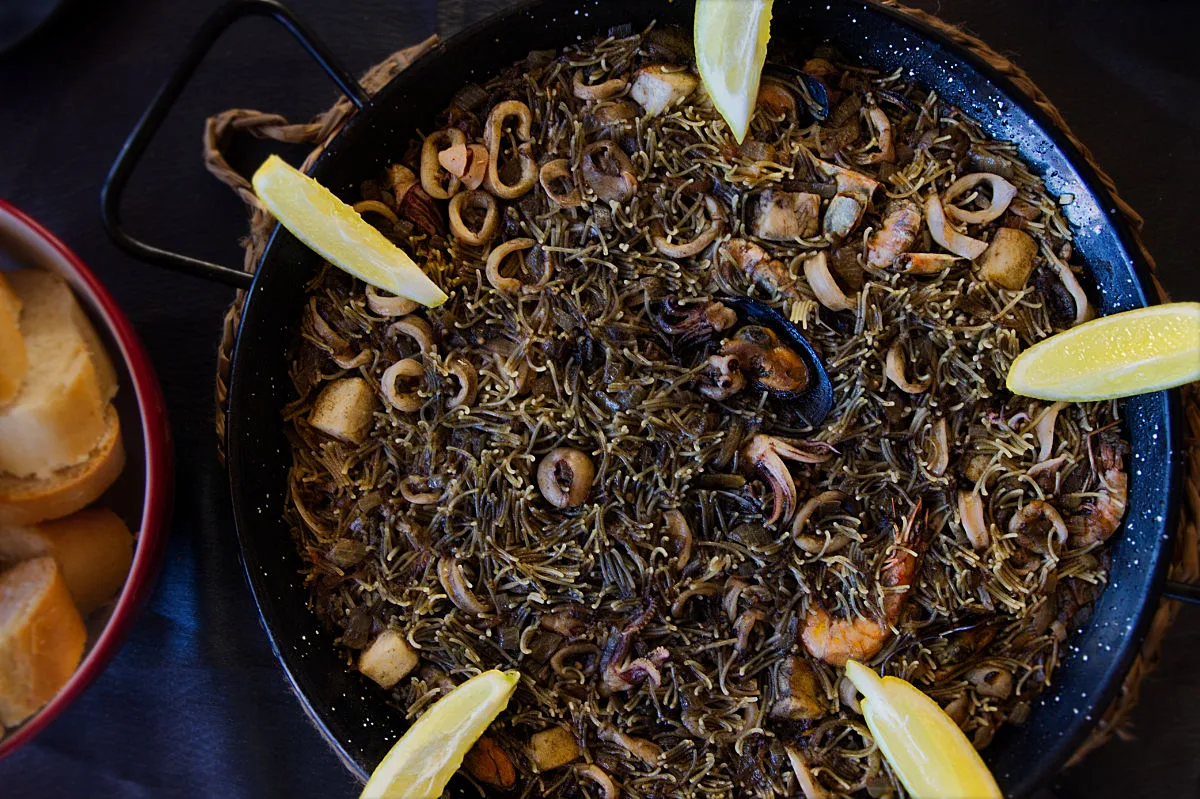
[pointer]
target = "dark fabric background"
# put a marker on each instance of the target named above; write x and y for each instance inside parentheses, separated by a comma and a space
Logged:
(194, 705)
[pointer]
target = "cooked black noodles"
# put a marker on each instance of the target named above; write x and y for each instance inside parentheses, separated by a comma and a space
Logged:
(582, 468)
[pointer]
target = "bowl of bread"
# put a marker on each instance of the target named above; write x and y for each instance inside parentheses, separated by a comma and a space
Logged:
(85, 477)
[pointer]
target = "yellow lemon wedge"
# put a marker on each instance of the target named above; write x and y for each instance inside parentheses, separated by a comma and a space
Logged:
(335, 231)
(924, 746)
(426, 757)
(1128, 353)
(731, 47)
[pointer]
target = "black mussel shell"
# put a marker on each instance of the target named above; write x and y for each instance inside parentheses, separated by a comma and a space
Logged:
(810, 91)
(815, 401)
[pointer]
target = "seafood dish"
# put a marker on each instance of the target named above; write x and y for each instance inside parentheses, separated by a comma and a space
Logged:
(699, 423)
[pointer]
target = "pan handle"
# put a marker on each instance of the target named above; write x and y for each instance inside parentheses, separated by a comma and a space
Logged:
(1184, 592)
(139, 139)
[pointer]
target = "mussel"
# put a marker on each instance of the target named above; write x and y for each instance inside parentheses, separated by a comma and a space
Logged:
(811, 398)
(810, 93)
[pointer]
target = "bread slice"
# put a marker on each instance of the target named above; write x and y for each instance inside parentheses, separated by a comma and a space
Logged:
(57, 417)
(41, 638)
(13, 360)
(27, 500)
(93, 549)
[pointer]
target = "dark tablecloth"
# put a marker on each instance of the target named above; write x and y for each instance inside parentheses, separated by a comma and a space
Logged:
(194, 705)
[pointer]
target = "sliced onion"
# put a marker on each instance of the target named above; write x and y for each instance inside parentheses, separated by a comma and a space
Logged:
(816, 272)
(947, 236)
(941, 448)
(1083, 308)
(1051, 465)
(1003, 193)
(699, 589)
(808, 783)
(1045, 430)
(894, 369)
(970, 513)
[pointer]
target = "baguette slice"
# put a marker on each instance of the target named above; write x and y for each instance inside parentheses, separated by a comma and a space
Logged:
(57, 416)
(41, 638)
(13, 361)
(28, 500)
(93, 549)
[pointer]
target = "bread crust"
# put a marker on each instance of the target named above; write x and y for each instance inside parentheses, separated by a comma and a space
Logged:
(42, 638)
(31, 500)
(93, 549)
(13, 360)
(56, 417)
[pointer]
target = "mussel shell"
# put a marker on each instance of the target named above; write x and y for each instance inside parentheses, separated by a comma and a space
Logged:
(816, 400)
(810, 91)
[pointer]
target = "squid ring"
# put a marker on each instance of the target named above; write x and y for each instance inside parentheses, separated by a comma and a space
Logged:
(496, 258)
(1003, 193)
(596, 91)
(408, 400)
(559, 169)
(479, 200)
(493, 134)
(686, 249)
(432, 171)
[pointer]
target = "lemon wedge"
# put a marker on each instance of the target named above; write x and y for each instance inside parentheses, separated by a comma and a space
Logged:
(335, 231)
(731, 47)
(924, 746)
(426, 757)
(1128, 353)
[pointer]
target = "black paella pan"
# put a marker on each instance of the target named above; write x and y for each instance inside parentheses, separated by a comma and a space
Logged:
(352, 712)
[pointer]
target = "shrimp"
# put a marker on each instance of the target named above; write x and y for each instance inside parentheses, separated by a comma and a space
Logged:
(1034, 524)
(1101, 516)
(760, 267)
(837, 640)
(896, 234)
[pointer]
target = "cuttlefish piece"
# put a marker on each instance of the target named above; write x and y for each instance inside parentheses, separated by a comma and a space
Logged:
(657, 87)
(766, 455)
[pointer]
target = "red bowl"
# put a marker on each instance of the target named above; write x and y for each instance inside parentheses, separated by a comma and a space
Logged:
(142, 494)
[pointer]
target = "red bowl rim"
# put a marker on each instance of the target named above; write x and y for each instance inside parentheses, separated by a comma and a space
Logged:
(157, 497)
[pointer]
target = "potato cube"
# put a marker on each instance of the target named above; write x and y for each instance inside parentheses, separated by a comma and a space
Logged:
(552, 748)
(388, 659)
(343, 409)
(1008, 260)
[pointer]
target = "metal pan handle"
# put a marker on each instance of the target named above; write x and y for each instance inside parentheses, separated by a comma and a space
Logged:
(139, 139)
(1184, 592)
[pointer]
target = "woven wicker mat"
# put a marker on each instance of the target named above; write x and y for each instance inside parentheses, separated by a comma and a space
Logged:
(1186, 558)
